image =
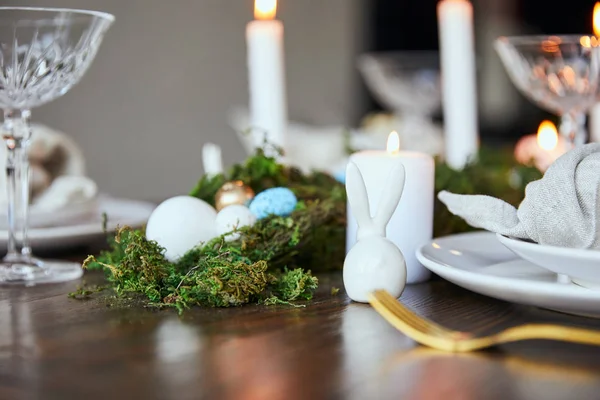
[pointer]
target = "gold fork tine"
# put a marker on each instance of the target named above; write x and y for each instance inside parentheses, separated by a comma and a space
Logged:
(415, 329)
(409, 316)
(401, 313)
(433, 335)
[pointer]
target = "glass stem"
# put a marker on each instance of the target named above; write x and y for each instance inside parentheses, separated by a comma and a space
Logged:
(16, 134)
(572, 126)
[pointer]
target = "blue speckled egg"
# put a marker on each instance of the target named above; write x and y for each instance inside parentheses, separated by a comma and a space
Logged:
(340, 176)
(275, 201)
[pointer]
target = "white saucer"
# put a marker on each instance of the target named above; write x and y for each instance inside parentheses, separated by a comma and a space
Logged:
(480, 263)
(119, 211)
(580, 265)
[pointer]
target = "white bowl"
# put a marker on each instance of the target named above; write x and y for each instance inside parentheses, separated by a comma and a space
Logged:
(580, 265)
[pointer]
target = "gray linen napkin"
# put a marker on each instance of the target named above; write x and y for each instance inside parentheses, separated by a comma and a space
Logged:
(561, 209)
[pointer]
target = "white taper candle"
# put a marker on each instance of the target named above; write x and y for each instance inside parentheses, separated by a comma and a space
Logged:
(266, 76)
(457, 48)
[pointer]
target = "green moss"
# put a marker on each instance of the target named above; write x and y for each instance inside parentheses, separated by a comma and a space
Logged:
(295, 285)
(86, 291)
(215, 275)
(220, 282)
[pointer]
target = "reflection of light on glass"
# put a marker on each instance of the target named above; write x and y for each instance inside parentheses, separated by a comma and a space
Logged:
(554, 84)
(436, 246)
(589, 41)
(393, 143)
(547, 136)
(585, 41)
(265, 9)
(568, 75)
(456, 252)
(551, 44)
(539, 72)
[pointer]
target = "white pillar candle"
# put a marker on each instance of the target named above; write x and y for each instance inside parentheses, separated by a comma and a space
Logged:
(212, 159)
(411, 226)
(266, 76)
(459, 90)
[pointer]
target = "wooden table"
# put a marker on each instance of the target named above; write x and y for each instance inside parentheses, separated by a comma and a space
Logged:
(53, 347)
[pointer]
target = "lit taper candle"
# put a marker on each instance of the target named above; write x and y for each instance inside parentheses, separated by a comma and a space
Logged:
(266, 75)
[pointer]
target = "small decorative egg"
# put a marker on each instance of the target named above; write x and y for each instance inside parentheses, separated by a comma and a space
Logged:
(181, 223)
(340, 176)
(235, 192)
(232, 218)
(275, 201)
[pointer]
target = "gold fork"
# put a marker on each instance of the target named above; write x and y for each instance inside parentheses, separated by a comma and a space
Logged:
(433, 335)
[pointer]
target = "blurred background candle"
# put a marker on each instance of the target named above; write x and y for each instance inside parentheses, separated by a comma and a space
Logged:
(594, 126)
(212, 159)
(543, 149)
(412, 223)
(266, 75)
(457, 48)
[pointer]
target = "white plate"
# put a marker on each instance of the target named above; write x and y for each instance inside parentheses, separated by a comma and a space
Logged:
(67, 216)
(480, 263)
(119, 211)
(581, 265)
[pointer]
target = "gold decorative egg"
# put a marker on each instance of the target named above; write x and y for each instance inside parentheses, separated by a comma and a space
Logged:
(235, 192)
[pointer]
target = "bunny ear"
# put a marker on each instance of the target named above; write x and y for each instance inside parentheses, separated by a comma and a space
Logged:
(357, 195)
(391, 197)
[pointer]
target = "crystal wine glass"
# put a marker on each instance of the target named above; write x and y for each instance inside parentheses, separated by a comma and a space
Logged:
(559, 73)
(44, 52)
(408, 84)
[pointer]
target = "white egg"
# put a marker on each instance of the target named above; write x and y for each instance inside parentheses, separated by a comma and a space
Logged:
(181, 223)
(231, 218)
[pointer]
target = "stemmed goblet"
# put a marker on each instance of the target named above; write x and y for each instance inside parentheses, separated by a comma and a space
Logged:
(44, 52)
(407, 83)
(559, 73)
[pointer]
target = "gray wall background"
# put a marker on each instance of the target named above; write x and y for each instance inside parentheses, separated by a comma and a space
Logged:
(169, 71)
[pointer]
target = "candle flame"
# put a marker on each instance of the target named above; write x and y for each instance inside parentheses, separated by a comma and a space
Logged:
(393, 143)
(547, 136)
(265, 9)
(596, 19)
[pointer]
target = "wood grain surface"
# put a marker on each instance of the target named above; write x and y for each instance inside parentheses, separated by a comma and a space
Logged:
(54, 347)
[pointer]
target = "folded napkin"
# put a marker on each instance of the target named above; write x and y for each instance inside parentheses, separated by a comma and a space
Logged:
(58, 179)
(561, 209)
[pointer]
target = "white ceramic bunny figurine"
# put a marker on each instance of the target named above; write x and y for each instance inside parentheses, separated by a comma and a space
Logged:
(373, 262)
